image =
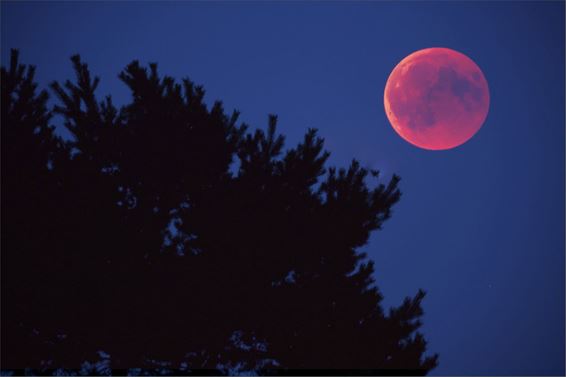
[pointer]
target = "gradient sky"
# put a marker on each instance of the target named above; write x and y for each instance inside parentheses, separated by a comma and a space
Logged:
(480, 227)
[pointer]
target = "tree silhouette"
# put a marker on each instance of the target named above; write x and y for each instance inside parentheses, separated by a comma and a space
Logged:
(164, 233)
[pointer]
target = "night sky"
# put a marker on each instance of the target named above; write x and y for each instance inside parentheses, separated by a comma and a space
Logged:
(479, 227)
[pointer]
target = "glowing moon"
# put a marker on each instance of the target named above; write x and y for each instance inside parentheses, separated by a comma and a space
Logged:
(436, 98)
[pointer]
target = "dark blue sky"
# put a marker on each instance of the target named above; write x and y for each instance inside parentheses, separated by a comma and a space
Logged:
(480, 227)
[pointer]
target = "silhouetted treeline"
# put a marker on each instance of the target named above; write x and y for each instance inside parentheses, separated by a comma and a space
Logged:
(166, 231)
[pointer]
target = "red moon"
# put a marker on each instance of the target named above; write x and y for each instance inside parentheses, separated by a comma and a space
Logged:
(436, 98)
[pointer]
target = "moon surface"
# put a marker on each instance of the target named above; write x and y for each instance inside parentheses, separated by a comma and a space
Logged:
(436, 98)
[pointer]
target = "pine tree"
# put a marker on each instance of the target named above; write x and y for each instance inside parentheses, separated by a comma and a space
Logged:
(167, 231)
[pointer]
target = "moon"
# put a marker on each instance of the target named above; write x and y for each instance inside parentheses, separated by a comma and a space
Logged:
(436, 98)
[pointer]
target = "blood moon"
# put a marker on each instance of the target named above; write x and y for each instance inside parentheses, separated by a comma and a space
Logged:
(436, 98)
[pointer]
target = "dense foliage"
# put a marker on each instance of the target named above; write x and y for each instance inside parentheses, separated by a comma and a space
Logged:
(165, 231)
